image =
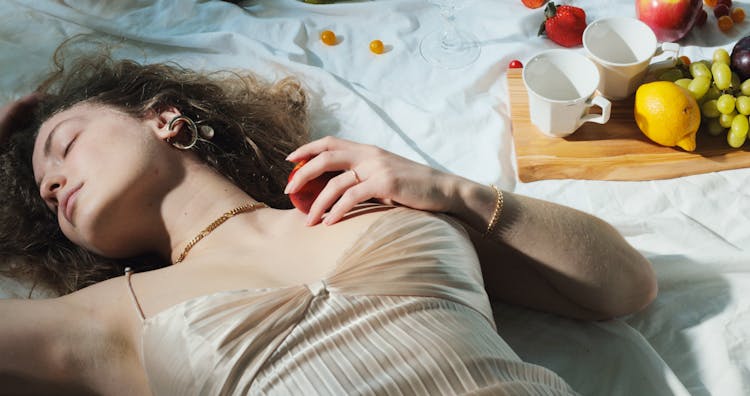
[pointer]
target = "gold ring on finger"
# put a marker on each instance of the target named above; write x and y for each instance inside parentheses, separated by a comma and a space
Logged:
(356, 177)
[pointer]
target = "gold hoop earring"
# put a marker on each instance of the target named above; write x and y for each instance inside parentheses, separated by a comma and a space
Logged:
(186, 142)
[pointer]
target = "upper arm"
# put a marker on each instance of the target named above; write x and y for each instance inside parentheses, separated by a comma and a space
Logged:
(15, 385)
(31, 338)
(78, 341)
(510, 276)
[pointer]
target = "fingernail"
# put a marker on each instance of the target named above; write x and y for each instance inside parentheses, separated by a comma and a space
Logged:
(286, 189)
(309, 220)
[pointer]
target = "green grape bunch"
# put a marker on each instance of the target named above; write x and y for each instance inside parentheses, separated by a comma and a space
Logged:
(723, 98)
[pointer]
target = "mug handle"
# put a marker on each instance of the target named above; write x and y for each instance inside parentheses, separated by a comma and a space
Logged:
(668, 47)
(604, 104)
(655, 68)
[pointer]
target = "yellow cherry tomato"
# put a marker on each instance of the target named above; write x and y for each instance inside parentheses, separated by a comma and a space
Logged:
(328, 37)
(376, 46)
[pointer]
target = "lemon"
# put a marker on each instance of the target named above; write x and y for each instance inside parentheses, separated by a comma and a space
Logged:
(667, 114)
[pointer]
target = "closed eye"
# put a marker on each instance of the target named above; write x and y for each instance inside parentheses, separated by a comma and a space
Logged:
(69, 146)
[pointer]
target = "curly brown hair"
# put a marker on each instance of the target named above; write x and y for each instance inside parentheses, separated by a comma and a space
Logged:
(257, 124)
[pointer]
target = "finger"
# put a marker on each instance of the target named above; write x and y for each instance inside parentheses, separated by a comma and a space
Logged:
(318, 146)
(356, 194)
(327, 161)
(335, 188)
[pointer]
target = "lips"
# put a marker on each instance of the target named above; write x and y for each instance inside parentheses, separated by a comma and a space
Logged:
(67, 203)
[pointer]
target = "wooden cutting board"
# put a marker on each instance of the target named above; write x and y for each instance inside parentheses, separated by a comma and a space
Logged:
(616, 150)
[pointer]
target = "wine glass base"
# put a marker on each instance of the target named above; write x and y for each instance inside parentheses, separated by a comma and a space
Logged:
(464, 53)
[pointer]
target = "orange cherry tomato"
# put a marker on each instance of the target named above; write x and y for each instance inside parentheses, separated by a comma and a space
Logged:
(725, 23)
(328, 37)
(376, 46)
(738, 15)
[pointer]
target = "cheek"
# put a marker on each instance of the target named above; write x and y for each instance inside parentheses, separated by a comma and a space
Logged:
(104, 159)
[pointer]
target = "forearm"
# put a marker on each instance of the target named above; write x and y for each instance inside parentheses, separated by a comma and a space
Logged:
(569, 262)
(582, 257)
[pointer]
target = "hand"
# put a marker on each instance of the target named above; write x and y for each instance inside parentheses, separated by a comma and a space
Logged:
(368, 173)
(16, 114)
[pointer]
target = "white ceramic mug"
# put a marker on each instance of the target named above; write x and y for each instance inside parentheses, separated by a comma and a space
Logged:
(561, 86)
(622, 48)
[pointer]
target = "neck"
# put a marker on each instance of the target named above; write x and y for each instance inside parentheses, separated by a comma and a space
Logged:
(201, 198)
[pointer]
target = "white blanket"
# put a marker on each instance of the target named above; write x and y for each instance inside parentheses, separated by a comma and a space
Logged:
(694, 339)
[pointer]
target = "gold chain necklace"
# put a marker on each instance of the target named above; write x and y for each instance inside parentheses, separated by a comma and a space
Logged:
(248, 207)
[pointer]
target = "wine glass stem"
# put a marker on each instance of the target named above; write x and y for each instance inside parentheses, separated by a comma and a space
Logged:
(450, 37)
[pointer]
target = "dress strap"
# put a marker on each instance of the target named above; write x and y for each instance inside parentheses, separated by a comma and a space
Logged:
(128, 273)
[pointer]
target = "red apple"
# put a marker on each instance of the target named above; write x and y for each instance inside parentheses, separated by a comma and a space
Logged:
(303, 199)
(670, 20)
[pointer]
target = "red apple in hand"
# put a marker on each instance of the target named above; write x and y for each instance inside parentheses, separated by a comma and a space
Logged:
(670, 20)
(303, 199)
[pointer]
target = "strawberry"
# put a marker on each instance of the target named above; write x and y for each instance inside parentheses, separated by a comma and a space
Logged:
(564, 24)
(533, 3)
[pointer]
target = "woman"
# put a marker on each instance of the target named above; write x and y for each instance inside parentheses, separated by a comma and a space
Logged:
(183, 172)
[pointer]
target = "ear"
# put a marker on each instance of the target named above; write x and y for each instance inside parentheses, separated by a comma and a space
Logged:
(159, 121)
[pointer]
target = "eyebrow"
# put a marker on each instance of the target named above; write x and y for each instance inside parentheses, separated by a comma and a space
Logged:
(48, 142)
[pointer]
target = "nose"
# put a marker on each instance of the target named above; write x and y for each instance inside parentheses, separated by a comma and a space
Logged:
(50, 187)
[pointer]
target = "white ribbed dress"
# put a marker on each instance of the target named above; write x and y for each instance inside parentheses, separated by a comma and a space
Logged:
(403, 313)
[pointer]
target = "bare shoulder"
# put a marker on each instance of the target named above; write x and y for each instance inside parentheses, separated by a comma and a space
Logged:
(364, 215)
(108, 310)
(105, 328)
(106, 300)
(361, 217)
(69, 341)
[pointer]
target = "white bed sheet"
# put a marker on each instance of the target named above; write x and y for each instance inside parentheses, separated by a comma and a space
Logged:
(694, 339)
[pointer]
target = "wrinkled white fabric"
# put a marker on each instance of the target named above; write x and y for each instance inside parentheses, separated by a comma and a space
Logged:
(695, 339)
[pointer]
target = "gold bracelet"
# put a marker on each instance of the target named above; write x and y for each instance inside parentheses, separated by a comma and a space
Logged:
(496, 214)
